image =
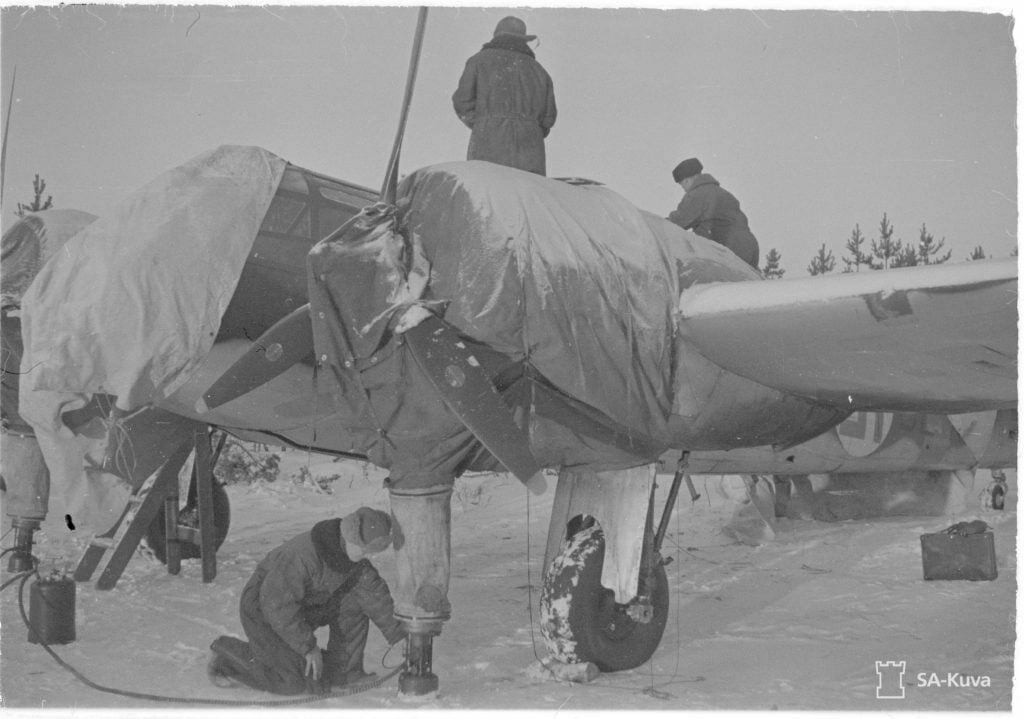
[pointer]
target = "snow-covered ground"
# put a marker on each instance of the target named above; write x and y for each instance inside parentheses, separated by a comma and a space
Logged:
(796, 623)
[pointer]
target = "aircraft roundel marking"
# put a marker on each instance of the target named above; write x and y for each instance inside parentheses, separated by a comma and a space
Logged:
(454, 375)
(863, 432)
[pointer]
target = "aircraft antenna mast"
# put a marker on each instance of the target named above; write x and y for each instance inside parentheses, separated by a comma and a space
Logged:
(390, 187)
(7, 126)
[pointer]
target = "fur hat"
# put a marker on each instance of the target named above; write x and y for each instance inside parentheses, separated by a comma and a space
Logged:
(687, 168)
(513, 27)
(367, 528)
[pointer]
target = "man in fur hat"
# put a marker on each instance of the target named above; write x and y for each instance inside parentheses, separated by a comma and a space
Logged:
(508, 101)
(712, 211)
(319, 578)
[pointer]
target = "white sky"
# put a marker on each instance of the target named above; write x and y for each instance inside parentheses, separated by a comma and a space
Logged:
(816, 120)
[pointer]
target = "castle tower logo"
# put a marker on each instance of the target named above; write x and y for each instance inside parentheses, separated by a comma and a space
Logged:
(890, 679)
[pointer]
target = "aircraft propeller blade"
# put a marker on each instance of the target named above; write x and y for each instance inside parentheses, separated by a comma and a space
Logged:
(469, 394)
(390, 184)
(287, 342)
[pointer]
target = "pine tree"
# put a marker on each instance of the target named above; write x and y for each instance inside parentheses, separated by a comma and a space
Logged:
(39, 187)
(858, 257)
(977, 253)
(927, 248)
(824, 262)
(771, 269)
(907, 257)
(886, 248)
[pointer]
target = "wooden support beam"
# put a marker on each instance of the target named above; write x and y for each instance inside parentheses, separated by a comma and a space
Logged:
(97, 548)
(146, 511)
(159, 496)
(204, 489)
(172, 544)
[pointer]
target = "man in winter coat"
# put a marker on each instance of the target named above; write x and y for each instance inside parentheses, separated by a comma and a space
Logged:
(319, 578)
(506, 98)
(23, 473)
(712, 212)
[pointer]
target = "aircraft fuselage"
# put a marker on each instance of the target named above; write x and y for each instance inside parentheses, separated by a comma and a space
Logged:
(712, 409)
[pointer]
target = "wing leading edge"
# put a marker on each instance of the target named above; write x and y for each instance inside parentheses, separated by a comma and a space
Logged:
(941, 338)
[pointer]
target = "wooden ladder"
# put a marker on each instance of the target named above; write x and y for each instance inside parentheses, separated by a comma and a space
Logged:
(160, 490)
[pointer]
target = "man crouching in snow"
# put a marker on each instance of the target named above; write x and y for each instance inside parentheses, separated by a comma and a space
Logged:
(319, 578)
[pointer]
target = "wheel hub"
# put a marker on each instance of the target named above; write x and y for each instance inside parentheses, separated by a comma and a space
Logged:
(617, 623)
(641, 612)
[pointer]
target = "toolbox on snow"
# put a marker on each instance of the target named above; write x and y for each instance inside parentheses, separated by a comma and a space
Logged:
(966, 550)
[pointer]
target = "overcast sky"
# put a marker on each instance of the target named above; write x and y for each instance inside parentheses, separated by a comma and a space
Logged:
(816, 120)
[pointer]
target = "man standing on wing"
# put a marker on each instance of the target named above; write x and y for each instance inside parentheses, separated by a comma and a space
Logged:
(712, 211)
(507, 99)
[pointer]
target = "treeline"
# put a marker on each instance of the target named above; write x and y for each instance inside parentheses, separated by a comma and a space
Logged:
(879, 253)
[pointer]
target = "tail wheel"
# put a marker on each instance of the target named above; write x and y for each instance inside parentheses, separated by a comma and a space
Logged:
(580, 619)
(998, 496)
(156, 535)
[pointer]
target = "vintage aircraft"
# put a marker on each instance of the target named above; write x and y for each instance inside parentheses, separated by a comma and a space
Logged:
(488, 319)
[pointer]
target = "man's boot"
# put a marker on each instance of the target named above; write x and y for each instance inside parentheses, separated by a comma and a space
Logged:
(358, 676)
(340, 671)
(21, 555)
(230, 662)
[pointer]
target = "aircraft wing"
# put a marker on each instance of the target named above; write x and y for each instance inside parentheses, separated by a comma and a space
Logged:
(939, 338)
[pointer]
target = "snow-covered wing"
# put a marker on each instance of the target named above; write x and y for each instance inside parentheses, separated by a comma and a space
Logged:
(941, 338)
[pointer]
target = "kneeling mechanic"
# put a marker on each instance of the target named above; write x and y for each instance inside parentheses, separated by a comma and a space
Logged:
(319, 578)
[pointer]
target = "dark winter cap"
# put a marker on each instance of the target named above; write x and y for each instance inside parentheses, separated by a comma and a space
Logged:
(513, 27)
(687, 168)
(367, 528)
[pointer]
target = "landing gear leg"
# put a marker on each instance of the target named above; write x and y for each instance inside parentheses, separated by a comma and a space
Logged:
(423, 558)
(418, 679)
(21, 557)
(611, 613)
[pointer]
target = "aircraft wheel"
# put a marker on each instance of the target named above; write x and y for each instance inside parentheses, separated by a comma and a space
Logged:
(188, 515)
(580, 619)
(998, 496)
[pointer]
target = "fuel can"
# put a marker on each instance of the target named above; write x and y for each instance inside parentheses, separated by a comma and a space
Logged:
(946, 555)
(51, 610)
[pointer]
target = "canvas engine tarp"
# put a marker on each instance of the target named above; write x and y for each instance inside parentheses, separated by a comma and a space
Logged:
(29, 244)
(566, 293)
(134, 301)
(573, 279)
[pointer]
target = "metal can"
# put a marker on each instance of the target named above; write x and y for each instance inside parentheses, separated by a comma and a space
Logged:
(51, 611)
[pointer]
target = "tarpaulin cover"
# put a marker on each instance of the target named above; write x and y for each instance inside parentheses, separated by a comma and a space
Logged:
(133, 303)
(359, 282)
(27, 246)
(575, 279)
(30, 242)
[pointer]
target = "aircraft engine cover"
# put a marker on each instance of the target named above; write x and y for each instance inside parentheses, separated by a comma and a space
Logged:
(581, 285)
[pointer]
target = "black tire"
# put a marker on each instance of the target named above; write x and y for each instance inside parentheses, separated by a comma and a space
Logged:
(998, 497)
(156, 536)
(580, 620)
